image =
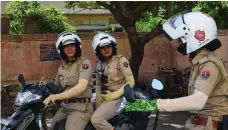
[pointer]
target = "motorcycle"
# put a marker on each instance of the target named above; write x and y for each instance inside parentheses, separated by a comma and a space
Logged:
(28, 103)
(123, 120)
(139, 120)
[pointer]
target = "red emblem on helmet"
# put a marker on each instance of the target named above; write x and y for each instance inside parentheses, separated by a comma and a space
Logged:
(200, 35)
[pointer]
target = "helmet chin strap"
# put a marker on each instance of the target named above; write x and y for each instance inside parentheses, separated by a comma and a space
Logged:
(182, 49)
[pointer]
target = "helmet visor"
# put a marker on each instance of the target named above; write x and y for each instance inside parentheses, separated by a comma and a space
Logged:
(105, 41)
(177, 19)
(173, 27)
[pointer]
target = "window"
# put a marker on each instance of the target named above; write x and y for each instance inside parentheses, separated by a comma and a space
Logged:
(112, 21)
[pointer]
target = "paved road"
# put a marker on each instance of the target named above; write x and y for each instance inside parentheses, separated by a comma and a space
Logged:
(168, 121)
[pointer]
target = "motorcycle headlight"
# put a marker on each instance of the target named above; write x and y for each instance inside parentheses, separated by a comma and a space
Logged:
(25, 97)
(120, 106)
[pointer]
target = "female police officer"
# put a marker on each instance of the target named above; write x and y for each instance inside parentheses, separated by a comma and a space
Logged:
(208, 90)
(72, 76)
(113, 73)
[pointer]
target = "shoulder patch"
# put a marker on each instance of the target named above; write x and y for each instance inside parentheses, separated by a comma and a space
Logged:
(85, 66)
(205, 74)
(125, 64)
(203, 60)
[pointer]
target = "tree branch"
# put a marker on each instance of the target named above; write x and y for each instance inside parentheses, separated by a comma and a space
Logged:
(138, 11)
(147, 37)
(168, 8)
(123, 9)
(109, 7)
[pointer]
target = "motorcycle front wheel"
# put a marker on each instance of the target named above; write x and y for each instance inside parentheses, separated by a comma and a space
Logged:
(124, 126)
(33, 126)
(47, 116)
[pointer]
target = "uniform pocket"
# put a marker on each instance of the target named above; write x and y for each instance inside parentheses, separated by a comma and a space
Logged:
(61, 79)
(72, 80)
(114, 74)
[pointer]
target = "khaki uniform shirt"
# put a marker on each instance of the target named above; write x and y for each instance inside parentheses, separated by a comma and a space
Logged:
(68, 76)
(116, 70)
(209, 76)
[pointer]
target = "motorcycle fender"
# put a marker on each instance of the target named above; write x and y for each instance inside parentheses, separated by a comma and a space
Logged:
(26, 122)
(19, 117)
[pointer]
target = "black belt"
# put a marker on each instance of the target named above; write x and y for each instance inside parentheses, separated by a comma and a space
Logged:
(78, 100)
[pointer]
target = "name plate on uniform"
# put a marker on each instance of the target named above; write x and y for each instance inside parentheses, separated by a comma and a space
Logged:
(48, 52)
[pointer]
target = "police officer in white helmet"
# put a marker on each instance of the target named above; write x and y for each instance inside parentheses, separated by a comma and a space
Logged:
(207, 101)
(113, 72)
(72, 77)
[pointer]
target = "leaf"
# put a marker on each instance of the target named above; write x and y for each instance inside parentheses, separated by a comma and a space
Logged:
(49, 20)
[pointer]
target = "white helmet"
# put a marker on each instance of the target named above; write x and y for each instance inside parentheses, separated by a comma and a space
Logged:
(102, 39)
(194, 29)
(66, 38)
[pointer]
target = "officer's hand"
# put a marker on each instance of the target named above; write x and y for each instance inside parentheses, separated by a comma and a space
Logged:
(51, 98)
(107, 96)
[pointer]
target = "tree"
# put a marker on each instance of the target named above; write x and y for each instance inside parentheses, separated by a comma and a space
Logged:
(135, 16)
(49, 20)
(216, 9)
(130, 12)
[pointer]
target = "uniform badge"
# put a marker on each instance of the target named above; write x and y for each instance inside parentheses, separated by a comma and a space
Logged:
(199, 35)
(205, 74)
(85, 66)
(125, 64)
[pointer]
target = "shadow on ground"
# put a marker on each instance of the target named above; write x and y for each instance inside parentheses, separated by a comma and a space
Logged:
(169, 121)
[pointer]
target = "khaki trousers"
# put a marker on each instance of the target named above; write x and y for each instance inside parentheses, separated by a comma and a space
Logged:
(75, 120)
(102, 114)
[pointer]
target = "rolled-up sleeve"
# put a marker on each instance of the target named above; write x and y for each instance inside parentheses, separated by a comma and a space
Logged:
(85, 70)
(207, 78)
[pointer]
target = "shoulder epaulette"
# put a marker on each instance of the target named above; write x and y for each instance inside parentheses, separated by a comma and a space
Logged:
(82, 58)
(119, 56)
(203, 60)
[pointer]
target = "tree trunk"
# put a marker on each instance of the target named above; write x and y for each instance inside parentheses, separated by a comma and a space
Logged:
(30, 25)
(137, 51)
(5, 25)
(168, 7)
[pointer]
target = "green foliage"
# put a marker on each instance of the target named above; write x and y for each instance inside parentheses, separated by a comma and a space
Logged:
(88, 5)
(49, 20)
(179, 6)
(151, 17)
(216, 9)
(82, 4)
(148, 22)
(109, 28)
